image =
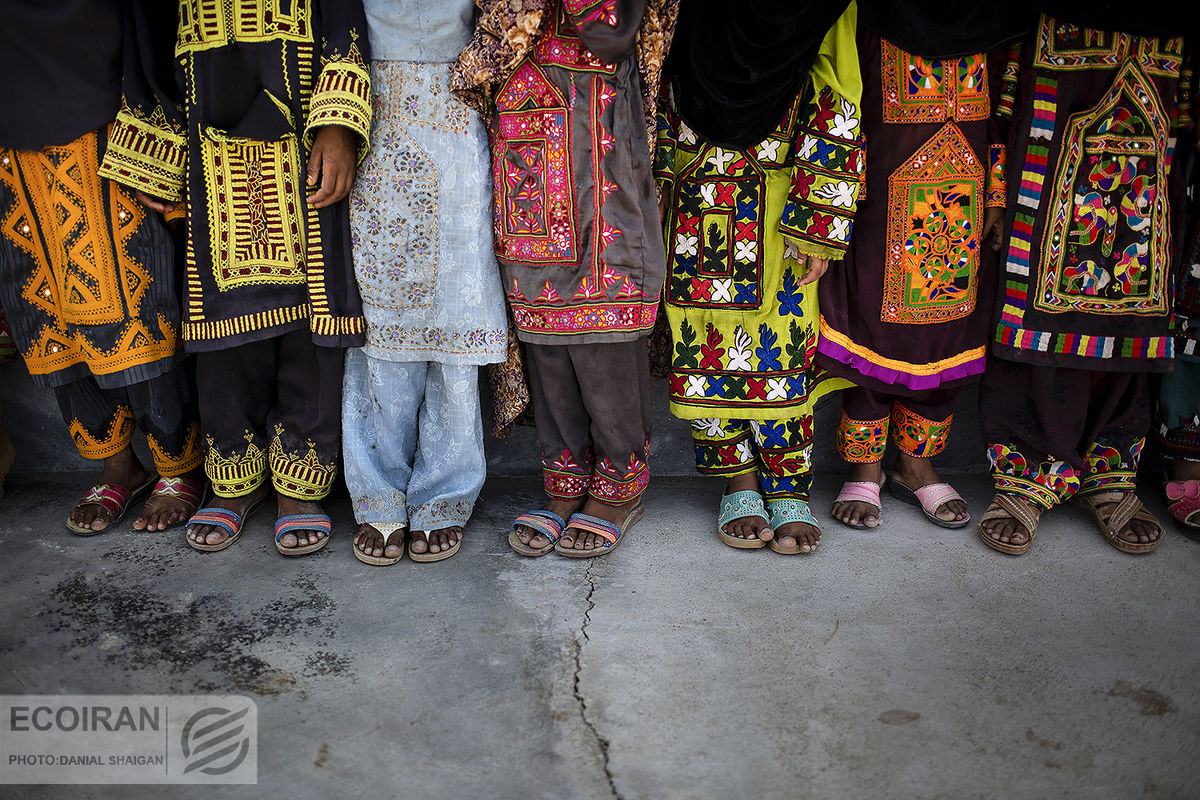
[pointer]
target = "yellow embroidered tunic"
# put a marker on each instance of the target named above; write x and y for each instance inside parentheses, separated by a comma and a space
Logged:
(258, 78)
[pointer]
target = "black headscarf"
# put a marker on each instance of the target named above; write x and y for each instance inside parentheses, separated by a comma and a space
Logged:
(946, 28)
(737, 66)
(1163, 19)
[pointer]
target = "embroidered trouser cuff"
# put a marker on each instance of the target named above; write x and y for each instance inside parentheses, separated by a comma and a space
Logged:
(780, 451)
(919, 425)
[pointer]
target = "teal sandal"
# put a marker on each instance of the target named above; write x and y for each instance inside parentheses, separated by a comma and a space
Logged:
(746, 503)
(785, 511)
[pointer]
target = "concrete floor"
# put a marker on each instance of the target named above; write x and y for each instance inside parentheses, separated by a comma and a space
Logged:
(910, 662)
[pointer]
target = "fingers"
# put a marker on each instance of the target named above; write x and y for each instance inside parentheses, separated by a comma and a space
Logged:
(816, 268)
(154, 203)
(337, 177)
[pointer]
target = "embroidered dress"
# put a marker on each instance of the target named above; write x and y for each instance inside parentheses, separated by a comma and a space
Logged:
(270, 297)
(745, 333)
(88, 275)
(1085, 286)
(907, 312)
(421, 221)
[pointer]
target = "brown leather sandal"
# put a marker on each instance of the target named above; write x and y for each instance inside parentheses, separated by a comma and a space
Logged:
(1010, 506)
(1112, 517)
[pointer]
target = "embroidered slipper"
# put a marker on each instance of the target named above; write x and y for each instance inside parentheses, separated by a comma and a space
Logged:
(427, 556)
(381, 561)
(302, 522)
(789, 510)
(1112, 516)
(929, 498)
(113, 498)
(746, 503)
(610, 532)
(547, 523)
(189, 491)
(861, 492)
(229, 521)
(1010, 506)
(1183, 503)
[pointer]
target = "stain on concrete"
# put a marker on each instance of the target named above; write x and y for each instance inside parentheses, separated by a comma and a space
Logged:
(898, 716)
(322, 760)
(1149, 702)
(1048, 744)
(202, 640)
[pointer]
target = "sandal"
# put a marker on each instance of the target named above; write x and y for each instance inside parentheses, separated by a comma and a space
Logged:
(610, 532)
(1112, 516)
(1010, 506)
(113, 498)
(930, 498)
(861, 492)
(302, 522)
(427, 556)
(229, 521)
(547, 523)
(1183, 503)
(788, 510)
(189, 491)
(746, 503)
(381, 561)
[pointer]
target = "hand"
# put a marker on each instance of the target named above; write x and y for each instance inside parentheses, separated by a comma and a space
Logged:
(333, 160)
(816, 268)
(993, 226)
(155, 203)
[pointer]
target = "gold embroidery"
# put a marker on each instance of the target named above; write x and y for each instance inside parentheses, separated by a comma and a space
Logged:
(342, 96)
(205, 24)
(190, 456)
(146, 153)
(108, 443)
(303, 477)
(240, 473)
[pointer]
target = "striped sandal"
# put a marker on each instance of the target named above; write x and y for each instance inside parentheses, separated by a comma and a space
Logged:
(746, 503)
(610, 532)
(786, 511)
(229, 521)
(189, 491)
(295, 523)
(113, 498)
(547, 523)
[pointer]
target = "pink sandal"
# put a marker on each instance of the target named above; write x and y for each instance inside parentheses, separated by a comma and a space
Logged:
(1183, 503)
(930, 498)
(861, 492)
(113, 498)
(189, 491)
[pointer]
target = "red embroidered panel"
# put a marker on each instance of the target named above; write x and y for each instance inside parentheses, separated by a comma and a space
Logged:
(561, 46)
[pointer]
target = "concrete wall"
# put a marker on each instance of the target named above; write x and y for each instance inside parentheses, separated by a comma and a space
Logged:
(31, 416)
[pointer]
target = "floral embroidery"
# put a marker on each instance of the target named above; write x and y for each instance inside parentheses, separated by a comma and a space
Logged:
(592, 11)
(614, 486)
(565, 478)
(561, 46)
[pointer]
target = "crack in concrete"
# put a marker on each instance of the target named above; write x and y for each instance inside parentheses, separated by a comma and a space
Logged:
(601, 742)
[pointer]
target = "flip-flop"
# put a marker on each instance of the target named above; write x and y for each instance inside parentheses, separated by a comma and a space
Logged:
(189, 491)
(930, 498)
(381, 561)
(113, 498)
(861, 492)
(547, 523)
(1112, 516)
(1010, 506)
(427, 556)
(1183, 504)
(745, 503)
(791, 510)
(302, 522)
(229, 521)
(610, 532)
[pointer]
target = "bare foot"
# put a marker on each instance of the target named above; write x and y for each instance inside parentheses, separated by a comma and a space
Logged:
(916, 473)
(538, 540)
(370, 542)
(289, 506)
(798, 534)
(854, 512)
(439, 540)
(163, 511)
(586, 540)
(747, 527)
(122, 469)
(211, 534)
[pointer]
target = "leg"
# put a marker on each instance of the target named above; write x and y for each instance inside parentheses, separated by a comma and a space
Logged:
(1032, 420)
(563, 433)
(235, 390)
(308, 427)
(1177, 434)
(921, 429)
(380, 401)
(449, 467)
(861, 442)
(785, 458)
(101, 424)
(725, 447)
(166, 411)
(614, 382)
